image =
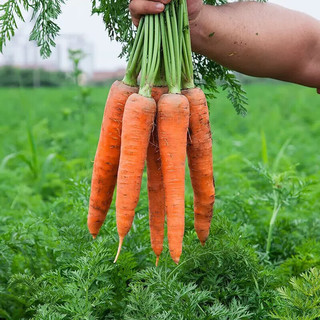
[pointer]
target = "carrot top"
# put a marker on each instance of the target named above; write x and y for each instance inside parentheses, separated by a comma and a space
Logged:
(162, 50)
(171, 21)
(187, 66)
(151, 54)
(134, 63)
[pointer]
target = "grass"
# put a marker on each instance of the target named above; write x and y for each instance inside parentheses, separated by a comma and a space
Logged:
(267, 165)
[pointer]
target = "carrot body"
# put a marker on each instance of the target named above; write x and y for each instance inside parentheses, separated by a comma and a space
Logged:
(156, 195)
(173, 121)
(155, 185)
(107, 156)
(138, 118)
(157, 92)
(199, 150)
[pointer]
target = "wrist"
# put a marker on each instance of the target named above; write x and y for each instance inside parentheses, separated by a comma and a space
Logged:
(196, 29)
(195, 14)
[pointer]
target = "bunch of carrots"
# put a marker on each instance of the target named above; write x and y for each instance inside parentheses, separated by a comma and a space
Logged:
(160, 122)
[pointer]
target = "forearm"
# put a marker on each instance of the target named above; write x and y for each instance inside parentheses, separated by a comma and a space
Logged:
(262, 40)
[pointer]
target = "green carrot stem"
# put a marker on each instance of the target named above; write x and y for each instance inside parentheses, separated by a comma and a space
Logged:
(150, 44)
(180, 33)
(184, 69)
(160, 80)
(166, 54)
(187, 36)
(176, 42)
(145, 57)
(138, 65)
(187, 78)
(187, 71)
(156, 51)
(133, 68)
(151, 58)
(136, 41)
(171, 52)
(157, 80)
(138, 54)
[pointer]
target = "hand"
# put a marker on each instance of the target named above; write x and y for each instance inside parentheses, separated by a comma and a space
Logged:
(139, 8)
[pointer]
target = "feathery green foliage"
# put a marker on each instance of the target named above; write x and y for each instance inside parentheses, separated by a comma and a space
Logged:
(300, 299)
(44, 14)
(51, 269)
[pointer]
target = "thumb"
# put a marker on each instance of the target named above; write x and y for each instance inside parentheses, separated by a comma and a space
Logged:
(139, 8)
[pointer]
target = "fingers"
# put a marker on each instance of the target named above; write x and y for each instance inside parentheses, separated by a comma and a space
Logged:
(139, 8)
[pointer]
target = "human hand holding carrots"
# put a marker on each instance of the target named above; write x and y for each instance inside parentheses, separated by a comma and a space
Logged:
(236, 35)
(139, 8)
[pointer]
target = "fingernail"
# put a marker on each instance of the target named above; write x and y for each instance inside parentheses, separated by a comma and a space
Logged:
(160, 6)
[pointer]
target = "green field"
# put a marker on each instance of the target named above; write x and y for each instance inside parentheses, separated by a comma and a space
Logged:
(265, 163)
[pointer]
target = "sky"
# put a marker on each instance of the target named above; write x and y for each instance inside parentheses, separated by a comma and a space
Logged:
(77, 20)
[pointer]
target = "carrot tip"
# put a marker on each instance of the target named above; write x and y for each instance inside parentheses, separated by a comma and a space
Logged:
(94, 237)
(176, 260)
(119, 249)
(203, 243)
(157, 261)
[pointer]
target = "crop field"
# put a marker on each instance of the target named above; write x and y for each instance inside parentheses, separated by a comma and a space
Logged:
(262, 257)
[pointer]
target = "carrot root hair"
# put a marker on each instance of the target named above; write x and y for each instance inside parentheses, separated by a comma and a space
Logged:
(175, 260)
(119, 249)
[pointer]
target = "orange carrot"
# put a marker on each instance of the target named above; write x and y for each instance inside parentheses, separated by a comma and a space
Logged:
(172, 122)
(156, 195)
(107, 156)
(157, 92)
(155, 186)
(199, 150)
(138, 118)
